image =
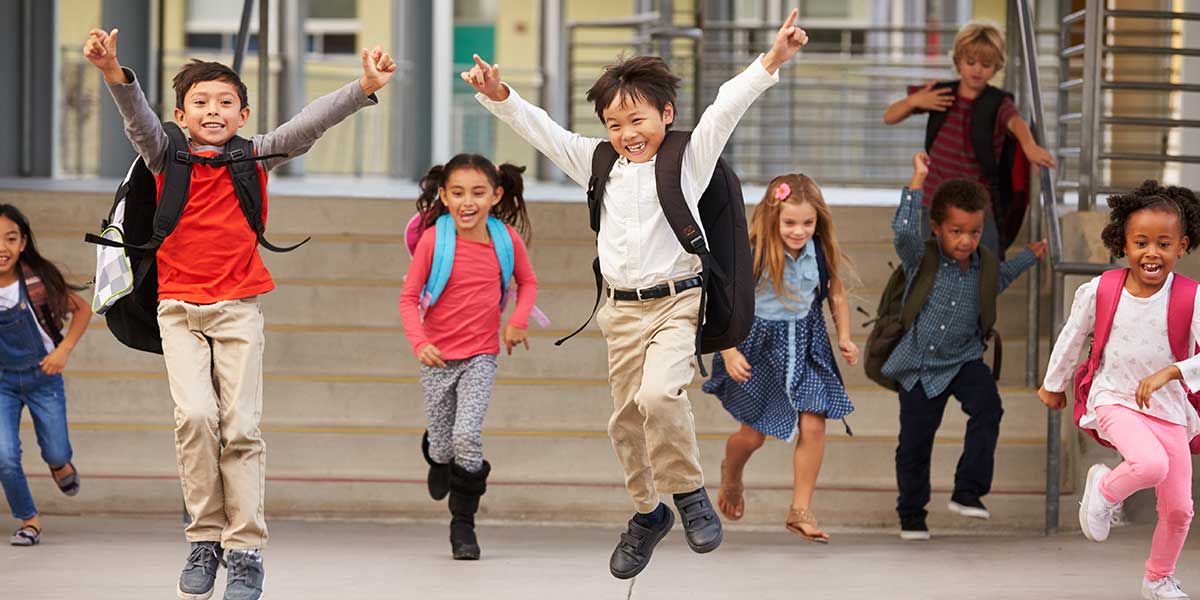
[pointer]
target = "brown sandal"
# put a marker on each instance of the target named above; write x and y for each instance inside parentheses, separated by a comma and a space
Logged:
(731, 493)
(798, 519)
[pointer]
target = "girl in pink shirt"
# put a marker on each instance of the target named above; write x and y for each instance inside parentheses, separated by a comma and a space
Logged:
(451, 306)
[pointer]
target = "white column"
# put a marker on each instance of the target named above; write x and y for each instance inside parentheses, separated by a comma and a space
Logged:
(442, 71)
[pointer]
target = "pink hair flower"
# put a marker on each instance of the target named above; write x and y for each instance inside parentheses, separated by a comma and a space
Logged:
(782, 191)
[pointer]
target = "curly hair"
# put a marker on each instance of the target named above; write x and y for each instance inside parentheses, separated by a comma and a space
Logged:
(963, 194)
(1151, 196)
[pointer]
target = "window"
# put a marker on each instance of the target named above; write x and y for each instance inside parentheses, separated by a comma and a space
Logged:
(331, 28)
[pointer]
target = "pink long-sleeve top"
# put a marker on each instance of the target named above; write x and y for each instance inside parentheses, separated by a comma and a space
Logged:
(465, 321)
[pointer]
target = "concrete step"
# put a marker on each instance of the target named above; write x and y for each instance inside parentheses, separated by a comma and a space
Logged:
(529, 457)
(603, 504)
(387, 353)
(517, 405)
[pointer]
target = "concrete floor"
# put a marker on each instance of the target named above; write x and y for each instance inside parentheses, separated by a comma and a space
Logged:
(131, 559)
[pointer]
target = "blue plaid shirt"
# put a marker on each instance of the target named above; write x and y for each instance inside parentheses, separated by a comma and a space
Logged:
(946, 333)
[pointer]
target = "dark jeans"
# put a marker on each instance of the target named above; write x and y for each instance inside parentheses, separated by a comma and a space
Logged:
(920, 417)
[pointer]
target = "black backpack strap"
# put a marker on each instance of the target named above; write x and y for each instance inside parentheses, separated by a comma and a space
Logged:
(938, 118)
(599, 288)
(247, 185)
(668, 173)
(983, 129)
(603, 159)
(822, 272)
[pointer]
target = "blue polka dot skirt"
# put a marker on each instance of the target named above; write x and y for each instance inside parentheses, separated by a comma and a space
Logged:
(792, 370)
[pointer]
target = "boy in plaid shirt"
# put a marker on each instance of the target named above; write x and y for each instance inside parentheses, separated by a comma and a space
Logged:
(942, 353)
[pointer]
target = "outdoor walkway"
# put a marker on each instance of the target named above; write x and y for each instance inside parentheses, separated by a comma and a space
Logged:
(135, 559)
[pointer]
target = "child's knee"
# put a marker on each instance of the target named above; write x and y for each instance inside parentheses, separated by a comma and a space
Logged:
(752, 438)
(10, 459)
(1178, 513)
(196, 418)
(1149, 469)
(812, 427)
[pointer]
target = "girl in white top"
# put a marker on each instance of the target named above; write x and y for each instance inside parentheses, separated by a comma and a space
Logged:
(1137, 401)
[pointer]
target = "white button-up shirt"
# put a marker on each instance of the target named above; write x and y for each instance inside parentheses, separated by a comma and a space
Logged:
(637, 246)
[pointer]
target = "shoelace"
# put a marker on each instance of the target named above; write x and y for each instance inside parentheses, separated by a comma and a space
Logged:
(1174, 583)
(200, 556)
(241, 568)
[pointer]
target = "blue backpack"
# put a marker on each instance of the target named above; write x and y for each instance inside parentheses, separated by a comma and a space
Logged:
(443, 258)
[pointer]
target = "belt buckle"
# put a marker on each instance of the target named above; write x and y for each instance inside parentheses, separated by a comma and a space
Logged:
(638, 293)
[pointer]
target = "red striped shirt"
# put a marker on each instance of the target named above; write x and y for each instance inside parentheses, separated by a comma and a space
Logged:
(952, 155)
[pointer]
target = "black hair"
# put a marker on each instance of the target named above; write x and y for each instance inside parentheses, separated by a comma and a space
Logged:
(1151, 196)
(965, 195)
(511, 207)
(199, 71)
(57, 288)
(639, 78)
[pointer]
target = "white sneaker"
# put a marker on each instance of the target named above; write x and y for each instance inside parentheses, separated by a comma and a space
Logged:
(1166, 588)
(1096, 514)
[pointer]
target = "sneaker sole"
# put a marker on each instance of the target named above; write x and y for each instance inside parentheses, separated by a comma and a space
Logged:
(657, 539)
(1093, 472)
(914, 536)
(969, 511)
(186, 596)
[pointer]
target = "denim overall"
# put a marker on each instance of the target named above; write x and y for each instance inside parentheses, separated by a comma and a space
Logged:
(22, 383)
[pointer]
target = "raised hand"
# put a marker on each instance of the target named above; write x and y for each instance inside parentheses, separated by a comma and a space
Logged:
(929, 99)
(485, 79)
(101, 50)
(788, 42)
(378, 68)
(920, 171)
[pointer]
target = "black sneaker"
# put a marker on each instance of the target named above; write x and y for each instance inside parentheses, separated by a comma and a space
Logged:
(700, 521)
(200, 573)
(913, 528)
(633, 552)
(968, 506)
(245, 575)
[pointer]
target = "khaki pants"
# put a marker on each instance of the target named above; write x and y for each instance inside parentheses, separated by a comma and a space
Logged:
(651, 347)
(214, 355)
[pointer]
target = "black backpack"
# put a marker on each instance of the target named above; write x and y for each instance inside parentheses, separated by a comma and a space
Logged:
(1006, 174)
(902, 300)
(149, 218)
(727, 296)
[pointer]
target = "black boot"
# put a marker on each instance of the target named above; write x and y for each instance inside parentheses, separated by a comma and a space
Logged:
(439, 473)
(465, 490)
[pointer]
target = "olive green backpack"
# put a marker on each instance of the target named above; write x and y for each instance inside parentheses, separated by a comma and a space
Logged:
(897, 311)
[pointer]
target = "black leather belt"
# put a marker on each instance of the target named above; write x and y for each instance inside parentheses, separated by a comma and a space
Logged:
(661, 290)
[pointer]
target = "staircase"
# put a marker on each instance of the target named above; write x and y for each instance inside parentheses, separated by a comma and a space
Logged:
(344, 411)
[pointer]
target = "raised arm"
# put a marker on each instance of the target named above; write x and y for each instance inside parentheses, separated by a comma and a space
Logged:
(142, 126)
(926, 99)
(569, 150)
(906, 224)
(297, 136)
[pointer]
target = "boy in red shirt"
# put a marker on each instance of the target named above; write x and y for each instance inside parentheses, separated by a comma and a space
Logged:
(979, 50)
(209, 278)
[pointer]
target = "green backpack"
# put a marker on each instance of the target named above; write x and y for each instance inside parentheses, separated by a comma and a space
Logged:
(897, 312)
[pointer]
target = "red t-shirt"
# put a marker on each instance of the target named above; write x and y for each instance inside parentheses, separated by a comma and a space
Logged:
(465, 321)
(952, 155)
(213, 254)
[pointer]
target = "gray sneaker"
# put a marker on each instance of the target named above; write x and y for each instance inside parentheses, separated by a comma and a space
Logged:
(200, 573)
(245, 575)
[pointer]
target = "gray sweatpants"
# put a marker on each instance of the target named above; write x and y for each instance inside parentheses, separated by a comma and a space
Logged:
(456, 401)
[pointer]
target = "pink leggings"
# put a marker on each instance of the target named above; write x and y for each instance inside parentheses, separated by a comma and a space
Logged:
(1156, 455)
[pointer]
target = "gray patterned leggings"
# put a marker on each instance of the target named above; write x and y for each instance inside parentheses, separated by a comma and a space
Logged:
(456, 400)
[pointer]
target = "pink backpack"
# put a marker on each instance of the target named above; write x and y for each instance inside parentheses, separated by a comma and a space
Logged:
(1179, 323)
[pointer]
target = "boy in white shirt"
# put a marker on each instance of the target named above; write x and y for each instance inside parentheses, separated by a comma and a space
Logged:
(651, 338)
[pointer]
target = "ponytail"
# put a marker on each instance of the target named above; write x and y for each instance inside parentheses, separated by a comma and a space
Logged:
(510, 209)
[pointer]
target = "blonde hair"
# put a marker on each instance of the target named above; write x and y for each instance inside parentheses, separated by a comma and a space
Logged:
(981, 40)
(764, 230)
